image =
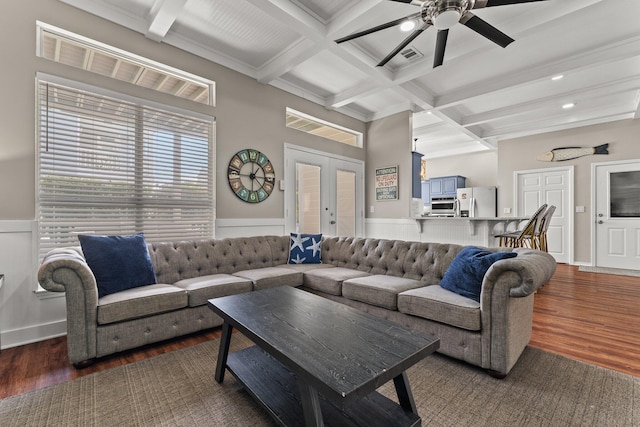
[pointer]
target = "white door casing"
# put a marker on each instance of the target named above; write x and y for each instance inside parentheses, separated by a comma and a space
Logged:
(340, 186)
(616, 205)
(553, 186)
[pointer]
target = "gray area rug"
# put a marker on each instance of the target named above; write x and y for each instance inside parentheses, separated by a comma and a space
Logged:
(178, 389)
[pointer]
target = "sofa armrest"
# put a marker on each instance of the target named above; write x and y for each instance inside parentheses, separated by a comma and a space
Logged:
(66, 270)
(507, 306)
(534, 268)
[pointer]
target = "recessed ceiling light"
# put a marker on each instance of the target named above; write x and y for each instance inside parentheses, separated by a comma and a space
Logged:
(558, 77)
(408, 25)
(569, 105)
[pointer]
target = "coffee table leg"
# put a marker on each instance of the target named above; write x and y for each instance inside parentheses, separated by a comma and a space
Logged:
(310, 405)
(223, 352)
(405, 397)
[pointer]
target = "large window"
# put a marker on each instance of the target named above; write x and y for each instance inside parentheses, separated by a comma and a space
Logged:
(110, 164)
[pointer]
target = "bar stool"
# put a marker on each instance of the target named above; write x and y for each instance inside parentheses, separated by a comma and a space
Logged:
(541, 233)
(525, 236)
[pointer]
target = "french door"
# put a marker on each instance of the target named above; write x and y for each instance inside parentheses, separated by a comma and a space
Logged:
(617, 209)
(324, 193)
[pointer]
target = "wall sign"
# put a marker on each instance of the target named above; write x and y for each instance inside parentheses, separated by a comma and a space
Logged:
(387, 183)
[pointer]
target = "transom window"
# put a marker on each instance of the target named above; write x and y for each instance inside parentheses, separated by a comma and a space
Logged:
(309, 124)
(81, 52)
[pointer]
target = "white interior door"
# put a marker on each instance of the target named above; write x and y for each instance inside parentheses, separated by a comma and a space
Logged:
(323, 193)
(554, 187)
(617, 208)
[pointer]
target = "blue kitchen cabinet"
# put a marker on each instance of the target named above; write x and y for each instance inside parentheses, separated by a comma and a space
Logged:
(446, 186)
(426, 193)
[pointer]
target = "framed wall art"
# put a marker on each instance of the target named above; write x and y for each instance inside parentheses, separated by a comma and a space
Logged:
(387, 183)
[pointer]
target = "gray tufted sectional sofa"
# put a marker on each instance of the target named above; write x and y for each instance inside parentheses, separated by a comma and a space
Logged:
(394, 279)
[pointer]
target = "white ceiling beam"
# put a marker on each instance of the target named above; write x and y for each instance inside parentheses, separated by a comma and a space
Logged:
(347, 97)
(416, 94)
(551, 102)
(288, 59)
(542, 126)
(163, 14)
(606, 53)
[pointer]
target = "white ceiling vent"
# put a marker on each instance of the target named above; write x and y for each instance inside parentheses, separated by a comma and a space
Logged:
(411, 53)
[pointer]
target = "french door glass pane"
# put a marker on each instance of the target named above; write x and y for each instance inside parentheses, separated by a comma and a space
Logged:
(346, 203)
(307, 198)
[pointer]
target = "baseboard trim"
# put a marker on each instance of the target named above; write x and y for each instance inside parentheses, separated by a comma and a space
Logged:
(606, 270)
(33, 333)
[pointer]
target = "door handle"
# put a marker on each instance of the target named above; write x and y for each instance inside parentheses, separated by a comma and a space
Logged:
(601, 222)
(332, 222)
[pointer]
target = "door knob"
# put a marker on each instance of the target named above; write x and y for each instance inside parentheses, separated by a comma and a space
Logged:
(601, 222)
(332, 222)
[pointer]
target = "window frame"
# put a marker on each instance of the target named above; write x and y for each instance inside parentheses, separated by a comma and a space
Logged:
(42, 78)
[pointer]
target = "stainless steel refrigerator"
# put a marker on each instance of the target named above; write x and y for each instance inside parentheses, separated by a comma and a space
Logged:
(477, 202)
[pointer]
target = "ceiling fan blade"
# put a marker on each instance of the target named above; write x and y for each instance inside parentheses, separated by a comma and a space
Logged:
(414, 2)
(441, 44)
(489, 3)
(404, 44)
(485, 29)
(378, 28)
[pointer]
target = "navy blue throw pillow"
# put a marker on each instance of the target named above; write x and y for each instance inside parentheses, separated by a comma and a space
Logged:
(305, 248)
(118, 262)
(464, 275)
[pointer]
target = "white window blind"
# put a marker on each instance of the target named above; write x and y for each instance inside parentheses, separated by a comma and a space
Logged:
(115, 167)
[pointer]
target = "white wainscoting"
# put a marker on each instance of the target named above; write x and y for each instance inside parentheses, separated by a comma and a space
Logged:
(25, 316)
(249, 227)
(392, 229)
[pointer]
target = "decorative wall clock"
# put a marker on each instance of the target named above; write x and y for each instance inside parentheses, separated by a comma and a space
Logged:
(251, 175)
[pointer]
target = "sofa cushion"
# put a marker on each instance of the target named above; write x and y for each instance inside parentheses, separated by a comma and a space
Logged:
(305, 248)
(271, 277)
(379, 289)
(466, 272)
(330, 280)
(435, 303)
(118, 262)
(305, 267)
(141, 301)
(202, 289)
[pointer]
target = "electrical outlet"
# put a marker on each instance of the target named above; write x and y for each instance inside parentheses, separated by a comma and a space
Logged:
(372, 209)
(580, 209)
(506, 210)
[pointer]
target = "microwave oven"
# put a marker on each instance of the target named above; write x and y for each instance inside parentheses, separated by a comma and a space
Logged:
(443, 206)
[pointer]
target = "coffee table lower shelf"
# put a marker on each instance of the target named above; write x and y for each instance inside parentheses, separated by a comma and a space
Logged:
(276, 389)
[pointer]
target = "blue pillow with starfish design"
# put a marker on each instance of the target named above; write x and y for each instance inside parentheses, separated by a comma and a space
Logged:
(305, 248)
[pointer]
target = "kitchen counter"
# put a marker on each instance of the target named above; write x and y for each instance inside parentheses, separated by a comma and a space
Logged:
(464, 230)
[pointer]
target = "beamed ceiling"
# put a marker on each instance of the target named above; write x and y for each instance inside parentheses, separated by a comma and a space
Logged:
(482, 94)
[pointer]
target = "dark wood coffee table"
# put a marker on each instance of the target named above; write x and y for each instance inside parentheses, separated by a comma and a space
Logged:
(319, 361)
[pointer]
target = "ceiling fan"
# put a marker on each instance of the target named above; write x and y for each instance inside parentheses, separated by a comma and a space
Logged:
(443, 14)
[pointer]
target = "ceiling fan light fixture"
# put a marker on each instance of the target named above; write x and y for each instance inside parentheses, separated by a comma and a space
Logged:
(408, 25)
(447, 19)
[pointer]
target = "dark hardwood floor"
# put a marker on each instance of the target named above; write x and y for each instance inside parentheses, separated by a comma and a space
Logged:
(591, 317)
